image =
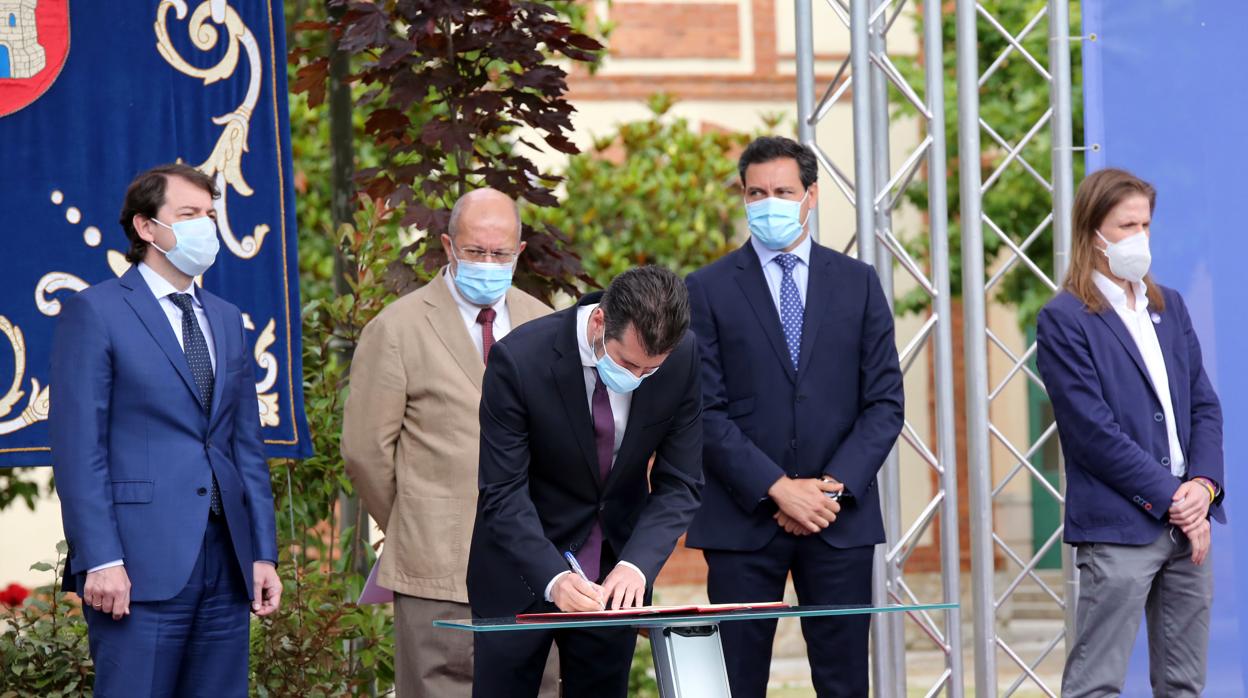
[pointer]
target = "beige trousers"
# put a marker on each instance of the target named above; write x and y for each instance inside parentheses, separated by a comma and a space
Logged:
(434, 662)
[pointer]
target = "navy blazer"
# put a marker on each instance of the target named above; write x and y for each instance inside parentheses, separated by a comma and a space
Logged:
(540, 490)
(134, 453)
(839, 413)
(1110, 420)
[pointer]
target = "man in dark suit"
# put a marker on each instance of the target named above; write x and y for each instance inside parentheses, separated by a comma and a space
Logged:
(156, 448)
(573, 406)
(802, 394)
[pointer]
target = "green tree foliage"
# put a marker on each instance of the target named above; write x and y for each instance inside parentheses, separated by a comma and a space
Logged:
(654, 192)
(21, 484)
(450, 87)
(1012, 100)
(317, 644)
(43, 642)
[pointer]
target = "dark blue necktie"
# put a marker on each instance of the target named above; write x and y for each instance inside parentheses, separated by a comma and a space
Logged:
(196, 348)
(790, 307)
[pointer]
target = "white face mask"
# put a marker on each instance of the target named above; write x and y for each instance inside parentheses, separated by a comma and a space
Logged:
(1129, 258)
(195, 247)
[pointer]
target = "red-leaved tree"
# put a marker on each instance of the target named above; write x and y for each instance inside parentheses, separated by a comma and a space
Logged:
(449, 88)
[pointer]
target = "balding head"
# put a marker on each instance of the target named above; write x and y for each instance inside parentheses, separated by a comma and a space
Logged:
(485, 209)
(484, 227)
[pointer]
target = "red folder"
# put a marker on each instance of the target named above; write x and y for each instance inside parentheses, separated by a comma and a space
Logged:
(645, 611)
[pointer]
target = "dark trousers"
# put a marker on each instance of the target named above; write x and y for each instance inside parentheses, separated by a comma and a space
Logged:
(837, 646)
(592, 663)
(195, 644)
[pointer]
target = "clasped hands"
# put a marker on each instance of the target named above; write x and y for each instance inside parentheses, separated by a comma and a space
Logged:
(804, 506)
(1190, 512)
(623, 588)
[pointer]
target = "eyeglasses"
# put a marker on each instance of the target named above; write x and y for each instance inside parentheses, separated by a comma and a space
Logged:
(477, 254)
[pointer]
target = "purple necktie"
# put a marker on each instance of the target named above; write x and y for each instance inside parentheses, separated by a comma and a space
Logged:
(604, 439)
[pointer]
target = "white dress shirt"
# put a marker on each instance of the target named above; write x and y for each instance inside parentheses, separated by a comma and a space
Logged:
(469, 311)
(774, 274)
(1139, 324)
(620, 404)
(162, 289)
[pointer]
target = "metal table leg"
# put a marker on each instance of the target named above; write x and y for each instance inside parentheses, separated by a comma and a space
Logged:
(689, 661)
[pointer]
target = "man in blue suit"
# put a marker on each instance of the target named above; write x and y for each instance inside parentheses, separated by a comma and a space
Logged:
(156, 448)
(802, 399)
(1141, 429)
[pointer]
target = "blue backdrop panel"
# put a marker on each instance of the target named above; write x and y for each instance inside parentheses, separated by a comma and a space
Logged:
(1165, 99)
(102, 91)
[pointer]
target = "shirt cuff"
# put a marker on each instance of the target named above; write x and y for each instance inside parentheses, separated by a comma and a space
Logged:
(631, 566)
(269, 562)
(551, 585)
(106, 565)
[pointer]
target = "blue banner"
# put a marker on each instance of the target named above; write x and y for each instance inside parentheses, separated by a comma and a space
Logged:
(1159, 103)
(91, 94)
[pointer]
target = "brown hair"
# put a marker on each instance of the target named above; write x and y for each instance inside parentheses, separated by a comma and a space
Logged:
(145, 196)
(1098, 194)
(652, 299)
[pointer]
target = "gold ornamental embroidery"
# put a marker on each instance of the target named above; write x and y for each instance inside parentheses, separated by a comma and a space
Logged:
(226, 161)
(37, 407)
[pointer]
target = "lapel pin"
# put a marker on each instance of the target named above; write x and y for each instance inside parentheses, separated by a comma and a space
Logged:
(1156, 319)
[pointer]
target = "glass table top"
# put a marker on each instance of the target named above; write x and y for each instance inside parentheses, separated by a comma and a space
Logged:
(685, 619)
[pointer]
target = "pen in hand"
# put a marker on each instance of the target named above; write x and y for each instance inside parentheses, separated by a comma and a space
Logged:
(576, 567)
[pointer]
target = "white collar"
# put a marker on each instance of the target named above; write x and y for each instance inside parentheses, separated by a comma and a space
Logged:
(1118, 297)
(765, 255)
(161, 287)
(588, 358)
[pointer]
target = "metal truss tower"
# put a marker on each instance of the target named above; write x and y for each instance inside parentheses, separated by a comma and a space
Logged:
(992, 589)
(876, 189)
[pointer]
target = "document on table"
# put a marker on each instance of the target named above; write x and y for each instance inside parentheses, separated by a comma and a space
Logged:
(641, 611)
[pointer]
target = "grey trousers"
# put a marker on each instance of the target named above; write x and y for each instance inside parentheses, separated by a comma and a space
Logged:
(433, 662)
(1118, 584)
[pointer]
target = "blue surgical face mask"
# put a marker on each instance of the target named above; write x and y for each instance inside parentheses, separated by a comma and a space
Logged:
(614, 376)
(482, 283)
(195, 245)
(776, 223)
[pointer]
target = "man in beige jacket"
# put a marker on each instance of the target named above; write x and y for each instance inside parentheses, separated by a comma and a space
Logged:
(411, 434)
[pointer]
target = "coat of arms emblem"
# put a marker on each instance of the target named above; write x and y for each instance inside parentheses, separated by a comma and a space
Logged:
(34, 42)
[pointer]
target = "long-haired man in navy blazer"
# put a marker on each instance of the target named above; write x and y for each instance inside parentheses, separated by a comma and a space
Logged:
(156, 449)
(802, 397)
(1141, 429)
(573, 406)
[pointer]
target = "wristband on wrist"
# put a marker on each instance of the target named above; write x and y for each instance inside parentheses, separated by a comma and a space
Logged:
(1213, 494)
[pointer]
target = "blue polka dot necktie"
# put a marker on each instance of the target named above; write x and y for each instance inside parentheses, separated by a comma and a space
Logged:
(790, 307)
(196, 348)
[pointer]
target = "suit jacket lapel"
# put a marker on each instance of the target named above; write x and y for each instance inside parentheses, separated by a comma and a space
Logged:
(818, 296)
(148, 309)
(1110, 317)
(448, 325)
(570, 377)
(518, 310)
(216, 321)
(754, 285)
